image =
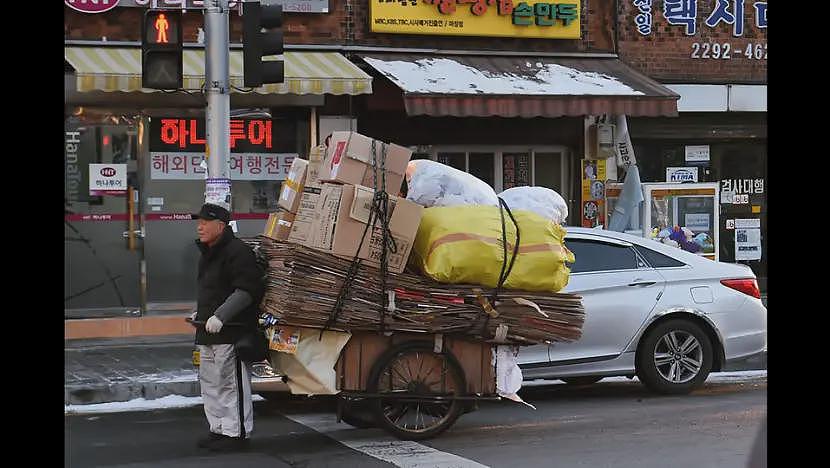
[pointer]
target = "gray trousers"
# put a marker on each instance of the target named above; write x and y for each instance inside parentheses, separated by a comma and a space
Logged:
(226, 391)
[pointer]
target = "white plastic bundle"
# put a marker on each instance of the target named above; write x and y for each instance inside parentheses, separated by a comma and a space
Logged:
(431, 184)
(540, 200)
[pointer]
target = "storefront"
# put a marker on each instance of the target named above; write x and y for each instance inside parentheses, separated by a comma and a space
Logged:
(714, 56)
(130, 251)
(729, 149)
(514, 111)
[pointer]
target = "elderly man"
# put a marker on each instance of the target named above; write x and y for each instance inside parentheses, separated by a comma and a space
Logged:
(230, 287)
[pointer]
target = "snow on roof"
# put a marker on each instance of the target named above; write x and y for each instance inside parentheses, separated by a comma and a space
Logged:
(447, 76)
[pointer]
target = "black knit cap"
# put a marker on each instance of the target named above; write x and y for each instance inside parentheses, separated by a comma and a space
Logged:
(210, 212)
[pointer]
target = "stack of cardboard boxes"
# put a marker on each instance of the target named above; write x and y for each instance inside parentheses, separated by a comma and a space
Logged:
(327, 201)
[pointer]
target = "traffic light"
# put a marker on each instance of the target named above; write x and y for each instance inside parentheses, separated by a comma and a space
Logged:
(257, 44)
(161, 50)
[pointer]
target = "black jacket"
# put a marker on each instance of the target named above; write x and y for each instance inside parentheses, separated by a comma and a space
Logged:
(229, 265)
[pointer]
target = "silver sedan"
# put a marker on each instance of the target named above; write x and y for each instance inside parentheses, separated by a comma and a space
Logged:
(665, 315)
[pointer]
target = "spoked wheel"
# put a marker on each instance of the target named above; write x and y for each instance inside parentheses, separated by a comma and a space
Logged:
(420, 384)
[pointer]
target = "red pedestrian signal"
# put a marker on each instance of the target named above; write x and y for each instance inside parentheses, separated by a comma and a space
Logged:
(161, 50)
(161, 25)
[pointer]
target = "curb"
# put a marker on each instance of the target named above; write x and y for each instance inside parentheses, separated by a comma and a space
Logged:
(87, 395)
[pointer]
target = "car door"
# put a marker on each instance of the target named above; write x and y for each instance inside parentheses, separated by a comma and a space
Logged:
(619, 291)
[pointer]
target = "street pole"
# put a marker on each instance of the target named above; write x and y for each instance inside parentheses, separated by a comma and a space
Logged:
(217, 88)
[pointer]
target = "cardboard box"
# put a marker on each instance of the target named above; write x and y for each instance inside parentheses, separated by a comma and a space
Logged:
(302, 230)
(279, 225)
(292, 186)
(312, 179)
(325, 220)
(349, 161)
(344, 212)
(318, 153)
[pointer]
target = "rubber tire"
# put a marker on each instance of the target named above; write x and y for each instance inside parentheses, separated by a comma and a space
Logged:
(586, 380)
(456, 408)
(358, 414)
(646, 370)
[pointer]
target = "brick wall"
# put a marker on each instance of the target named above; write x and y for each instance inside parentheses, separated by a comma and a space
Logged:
(666, 54)
(341, 27)
(124, 24)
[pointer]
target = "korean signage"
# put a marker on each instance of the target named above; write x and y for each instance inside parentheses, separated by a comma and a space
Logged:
(743, 186)
(738, 191)
(684, 14)
(698, 153)
(515, 170)
(297, 6)
(747, 244)
(177, 148)
(698, 18)
(107, 179)
(549, 19)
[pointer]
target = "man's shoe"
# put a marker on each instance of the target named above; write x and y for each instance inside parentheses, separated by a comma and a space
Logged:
(228, 444)
(205, 442)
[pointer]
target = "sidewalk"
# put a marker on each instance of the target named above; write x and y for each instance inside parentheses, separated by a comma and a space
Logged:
(123, 369)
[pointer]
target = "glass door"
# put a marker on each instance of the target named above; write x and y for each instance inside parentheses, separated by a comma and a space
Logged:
(103, 242)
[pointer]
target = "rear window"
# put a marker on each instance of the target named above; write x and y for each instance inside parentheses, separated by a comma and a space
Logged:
(658, 260)
(599, 256)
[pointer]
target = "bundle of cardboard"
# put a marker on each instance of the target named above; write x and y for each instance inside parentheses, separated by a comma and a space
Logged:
(325, 207)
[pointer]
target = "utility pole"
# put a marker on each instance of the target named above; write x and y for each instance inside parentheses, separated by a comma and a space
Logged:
(217, 89)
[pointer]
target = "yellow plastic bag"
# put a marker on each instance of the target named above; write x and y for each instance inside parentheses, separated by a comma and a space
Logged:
(463, 244)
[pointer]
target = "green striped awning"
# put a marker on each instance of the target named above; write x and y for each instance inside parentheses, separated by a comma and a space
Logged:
(119, 69)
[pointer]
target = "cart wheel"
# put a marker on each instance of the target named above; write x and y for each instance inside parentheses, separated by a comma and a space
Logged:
(413, 368)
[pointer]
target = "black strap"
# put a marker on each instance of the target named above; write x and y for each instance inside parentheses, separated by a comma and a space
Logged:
(379, 211)
(506, 266)
(240, 397)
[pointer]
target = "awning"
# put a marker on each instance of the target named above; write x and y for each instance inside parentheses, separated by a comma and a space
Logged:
(119, 69)
(480, 86)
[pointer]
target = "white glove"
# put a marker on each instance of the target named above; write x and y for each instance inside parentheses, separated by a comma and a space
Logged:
(193, 316)
(213, 324)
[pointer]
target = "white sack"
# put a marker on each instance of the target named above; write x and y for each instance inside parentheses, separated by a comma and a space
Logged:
(540, 200)
(431, 184)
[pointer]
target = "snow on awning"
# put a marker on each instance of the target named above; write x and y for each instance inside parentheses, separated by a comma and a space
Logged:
(479, 86)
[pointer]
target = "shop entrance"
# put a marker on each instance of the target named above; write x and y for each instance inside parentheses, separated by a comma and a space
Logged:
(504, 167)
(103, 241)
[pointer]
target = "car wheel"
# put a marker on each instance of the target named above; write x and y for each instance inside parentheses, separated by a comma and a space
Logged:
(674, 358)
(587, 380)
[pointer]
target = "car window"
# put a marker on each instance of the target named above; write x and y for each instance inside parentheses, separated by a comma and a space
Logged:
(658, 260)
(599, 256)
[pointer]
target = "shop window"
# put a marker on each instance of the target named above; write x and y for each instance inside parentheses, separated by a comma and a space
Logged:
(456, 160)
(547, 171)
(482, 165)
(515, 170)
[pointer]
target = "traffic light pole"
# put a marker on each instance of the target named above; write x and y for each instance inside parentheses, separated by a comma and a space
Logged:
(217, 89)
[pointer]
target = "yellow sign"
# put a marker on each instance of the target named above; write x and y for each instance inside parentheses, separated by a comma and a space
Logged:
(505, 18)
